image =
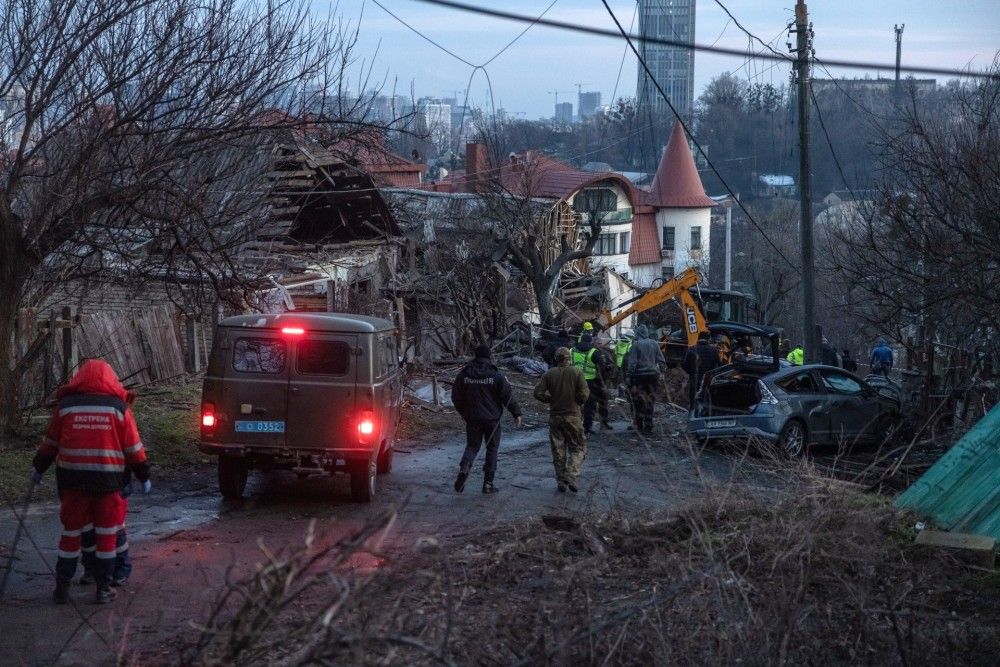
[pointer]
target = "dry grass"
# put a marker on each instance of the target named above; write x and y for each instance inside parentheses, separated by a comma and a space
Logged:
(824, 575)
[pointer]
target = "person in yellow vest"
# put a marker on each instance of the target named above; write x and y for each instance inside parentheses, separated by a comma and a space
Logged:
(797, 356)
(590, 360)
(622, 346)
(588, 330)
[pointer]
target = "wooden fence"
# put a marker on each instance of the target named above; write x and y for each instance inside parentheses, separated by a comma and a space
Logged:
(154, 345)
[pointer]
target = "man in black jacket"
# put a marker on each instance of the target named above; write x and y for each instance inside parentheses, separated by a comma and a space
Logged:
(699, 360)
(480, 394)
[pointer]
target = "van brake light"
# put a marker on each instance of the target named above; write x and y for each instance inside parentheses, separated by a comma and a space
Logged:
(366, 426)
(293, 331)
(208, 419)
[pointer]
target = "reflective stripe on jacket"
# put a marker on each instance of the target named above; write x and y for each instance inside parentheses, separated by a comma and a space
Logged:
(585, 362)
(92, 436)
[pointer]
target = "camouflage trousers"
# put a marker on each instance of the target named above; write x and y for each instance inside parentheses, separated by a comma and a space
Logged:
(569, 446)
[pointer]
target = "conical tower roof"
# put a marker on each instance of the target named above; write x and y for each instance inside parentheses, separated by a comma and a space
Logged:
(677, 183)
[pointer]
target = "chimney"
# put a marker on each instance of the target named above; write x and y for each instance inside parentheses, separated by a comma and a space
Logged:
(476, 165)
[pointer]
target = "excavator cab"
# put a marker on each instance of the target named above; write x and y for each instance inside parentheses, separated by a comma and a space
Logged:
(726, 306)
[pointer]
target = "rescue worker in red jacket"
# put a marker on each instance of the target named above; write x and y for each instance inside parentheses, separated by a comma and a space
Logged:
(92, 438)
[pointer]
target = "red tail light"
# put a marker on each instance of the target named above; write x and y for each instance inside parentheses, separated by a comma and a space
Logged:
(366, 427)
(293, 331)
(208, 419)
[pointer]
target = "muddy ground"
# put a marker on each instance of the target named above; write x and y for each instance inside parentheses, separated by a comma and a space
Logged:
(186, 541)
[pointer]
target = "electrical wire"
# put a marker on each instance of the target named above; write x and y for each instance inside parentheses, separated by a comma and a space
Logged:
(603, 32)
(829, 143)
(482, 66)
(749, 34)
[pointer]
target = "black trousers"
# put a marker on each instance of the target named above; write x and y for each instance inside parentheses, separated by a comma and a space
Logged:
(643, 389)
(598, 400)
(476, 431)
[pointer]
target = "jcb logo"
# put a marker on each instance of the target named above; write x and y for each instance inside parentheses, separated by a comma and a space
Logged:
(692, 321)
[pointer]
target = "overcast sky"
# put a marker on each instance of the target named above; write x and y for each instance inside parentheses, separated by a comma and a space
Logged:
(955, 33)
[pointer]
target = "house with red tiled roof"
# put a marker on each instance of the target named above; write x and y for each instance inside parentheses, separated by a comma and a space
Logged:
(645, 236)
(539, 176)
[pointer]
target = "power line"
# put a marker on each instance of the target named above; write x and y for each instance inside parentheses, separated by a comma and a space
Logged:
(829, 143)
(680, 120)
(603, 32)
(748, 33)
(482, 66)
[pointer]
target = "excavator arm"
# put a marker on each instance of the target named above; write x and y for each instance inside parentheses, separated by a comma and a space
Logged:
(677, 287)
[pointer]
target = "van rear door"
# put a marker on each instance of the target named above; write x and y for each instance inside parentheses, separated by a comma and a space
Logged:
(322, 392)
(255, 390)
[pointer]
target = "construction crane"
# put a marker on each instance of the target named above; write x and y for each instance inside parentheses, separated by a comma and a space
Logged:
(556, 93)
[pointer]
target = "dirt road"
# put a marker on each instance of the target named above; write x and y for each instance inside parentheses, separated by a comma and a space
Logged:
(185, 539)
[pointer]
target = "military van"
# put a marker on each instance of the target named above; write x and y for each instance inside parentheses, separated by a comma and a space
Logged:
(306, 392)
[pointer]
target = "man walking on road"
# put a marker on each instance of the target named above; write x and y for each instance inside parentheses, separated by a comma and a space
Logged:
(591, 361)
(565, 390)
(699, 360)
(643, 366)
(92, 438)
(480, 394)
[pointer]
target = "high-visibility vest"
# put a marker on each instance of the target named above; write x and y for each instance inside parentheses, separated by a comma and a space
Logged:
(621, 349)
(796, 356)
(585, 362)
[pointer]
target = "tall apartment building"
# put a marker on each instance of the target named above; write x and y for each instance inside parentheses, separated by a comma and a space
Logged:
(672, 66)
(589, 103)
(564, 113)
(434, 119)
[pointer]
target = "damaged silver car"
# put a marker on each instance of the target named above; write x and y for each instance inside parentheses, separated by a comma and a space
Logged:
(760, 396)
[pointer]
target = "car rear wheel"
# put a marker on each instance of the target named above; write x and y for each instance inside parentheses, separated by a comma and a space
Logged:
(233, 472)
(363, 481)
(792, 439)
(385, 459)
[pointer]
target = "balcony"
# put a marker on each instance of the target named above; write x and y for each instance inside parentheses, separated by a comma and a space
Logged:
(618, 216)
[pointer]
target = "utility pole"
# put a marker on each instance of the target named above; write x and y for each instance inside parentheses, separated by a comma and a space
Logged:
(803, 50)
(729, 245)
(899, 51)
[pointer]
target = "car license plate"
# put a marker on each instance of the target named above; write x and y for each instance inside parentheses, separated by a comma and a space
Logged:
(259, 427)
(720, 423)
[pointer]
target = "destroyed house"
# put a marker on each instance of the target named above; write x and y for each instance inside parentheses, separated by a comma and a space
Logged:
(331, 240)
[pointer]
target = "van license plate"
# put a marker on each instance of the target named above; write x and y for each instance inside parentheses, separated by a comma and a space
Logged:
(720, 423)
(259, 427)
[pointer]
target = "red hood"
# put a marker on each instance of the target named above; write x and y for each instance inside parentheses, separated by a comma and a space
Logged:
(95, 377)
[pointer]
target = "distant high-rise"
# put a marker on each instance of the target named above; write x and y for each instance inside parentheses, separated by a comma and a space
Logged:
(564, 112)
(589, 103)
(672, 66)
(434, 119)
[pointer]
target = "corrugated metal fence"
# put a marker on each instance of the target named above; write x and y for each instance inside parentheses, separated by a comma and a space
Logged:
(961, 492)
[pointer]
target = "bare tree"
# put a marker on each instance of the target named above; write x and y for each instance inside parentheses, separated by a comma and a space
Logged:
(924, 253)
(135, 135)
(539, 235)
(763, 269)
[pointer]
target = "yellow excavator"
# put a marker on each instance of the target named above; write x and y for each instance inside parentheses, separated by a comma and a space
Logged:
(700, 307)
(679, 287)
